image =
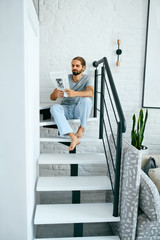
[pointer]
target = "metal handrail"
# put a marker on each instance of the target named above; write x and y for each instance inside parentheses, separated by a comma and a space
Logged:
(121, 124)
(114, 91)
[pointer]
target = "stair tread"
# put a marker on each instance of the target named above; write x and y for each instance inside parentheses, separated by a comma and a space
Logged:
(44, 105)
(52, 122)
(74, 213)
(66, 183)
(83, 238)
(67, 139)
(78, 158)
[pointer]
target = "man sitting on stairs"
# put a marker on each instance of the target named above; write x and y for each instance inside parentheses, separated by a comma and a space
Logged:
(78, 104)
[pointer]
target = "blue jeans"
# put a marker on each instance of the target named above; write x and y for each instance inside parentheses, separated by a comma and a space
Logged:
(62, 113)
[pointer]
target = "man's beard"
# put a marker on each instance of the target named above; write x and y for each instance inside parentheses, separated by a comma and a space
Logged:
(77, 73)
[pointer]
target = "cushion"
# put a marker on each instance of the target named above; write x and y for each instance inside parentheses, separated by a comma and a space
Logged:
(154, 175)
(145, 159)
(147, 229)
(151, 163)
(149, 199)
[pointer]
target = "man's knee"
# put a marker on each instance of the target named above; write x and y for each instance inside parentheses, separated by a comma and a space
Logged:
(55, 108)
(86, 101)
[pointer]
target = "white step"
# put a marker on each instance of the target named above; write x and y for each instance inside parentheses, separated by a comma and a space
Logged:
(52, 122)
(79, 158)
(81, 183)
(83, 238)
(46, 105)
(67, 139)
(74, 213)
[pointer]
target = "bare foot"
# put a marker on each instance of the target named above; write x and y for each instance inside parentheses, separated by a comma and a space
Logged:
(74, 141)
(80, 132)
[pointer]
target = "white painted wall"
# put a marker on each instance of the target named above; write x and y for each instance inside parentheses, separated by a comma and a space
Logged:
(90, 28)
(19, 100)
(31, 51)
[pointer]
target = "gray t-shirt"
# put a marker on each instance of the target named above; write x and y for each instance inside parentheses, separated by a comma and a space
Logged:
(78, 86)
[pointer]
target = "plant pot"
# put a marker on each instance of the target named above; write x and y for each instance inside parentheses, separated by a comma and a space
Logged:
(144, 150)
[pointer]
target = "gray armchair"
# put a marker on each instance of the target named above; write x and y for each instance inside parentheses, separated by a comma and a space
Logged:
(139, 198)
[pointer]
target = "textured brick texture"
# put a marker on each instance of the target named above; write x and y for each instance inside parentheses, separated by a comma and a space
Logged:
(90, 28)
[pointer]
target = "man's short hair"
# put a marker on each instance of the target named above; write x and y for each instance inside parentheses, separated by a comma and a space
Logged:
(83, 62)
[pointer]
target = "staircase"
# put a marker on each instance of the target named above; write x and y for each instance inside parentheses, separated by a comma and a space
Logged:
(76, 213)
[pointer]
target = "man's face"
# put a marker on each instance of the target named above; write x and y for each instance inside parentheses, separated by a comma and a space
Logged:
(77, 67)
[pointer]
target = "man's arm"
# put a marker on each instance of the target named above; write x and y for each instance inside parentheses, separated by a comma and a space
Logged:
(56, 94)
(87, 93)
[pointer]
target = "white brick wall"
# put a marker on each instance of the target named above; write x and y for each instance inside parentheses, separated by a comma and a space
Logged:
(90, 28)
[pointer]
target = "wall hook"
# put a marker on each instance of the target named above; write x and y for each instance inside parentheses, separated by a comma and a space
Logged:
(118, 52)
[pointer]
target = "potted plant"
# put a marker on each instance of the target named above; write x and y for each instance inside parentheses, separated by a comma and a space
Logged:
(137, 135)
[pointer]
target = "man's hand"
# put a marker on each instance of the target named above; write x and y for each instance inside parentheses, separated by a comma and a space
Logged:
(56, 94)
(87, 93)
(71, 93)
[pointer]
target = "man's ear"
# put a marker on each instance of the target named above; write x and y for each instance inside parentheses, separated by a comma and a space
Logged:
(84, 68)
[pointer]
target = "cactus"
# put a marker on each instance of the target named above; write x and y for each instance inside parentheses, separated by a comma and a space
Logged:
(137, 135)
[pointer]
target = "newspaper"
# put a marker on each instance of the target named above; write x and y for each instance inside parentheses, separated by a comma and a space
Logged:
(60, 81)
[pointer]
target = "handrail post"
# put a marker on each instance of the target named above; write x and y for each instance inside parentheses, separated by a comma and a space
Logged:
(95, 92)
(117, 172)
(101, 105)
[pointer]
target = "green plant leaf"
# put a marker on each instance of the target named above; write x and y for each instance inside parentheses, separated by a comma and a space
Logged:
(134, 121)
(133, 138)
(137, 135)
